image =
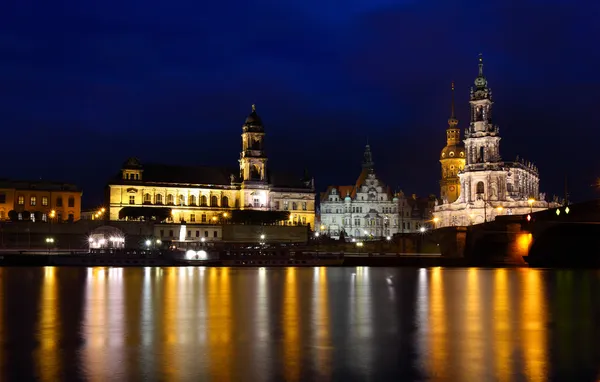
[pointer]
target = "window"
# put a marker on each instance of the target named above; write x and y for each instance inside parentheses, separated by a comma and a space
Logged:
(3, 198)
(294, 206)
(71, 201)
(170, 199)
(32, 201)
(480, 188)
(181, 200)
(131, 199)
(158, 198)
(189, 234)
(224, 201)
(203, 218)
(59, 202)
(205, 233)
(192, 218)
(147, 198)
(213, 201)
(44, 217)
(71, 217)
(192, 200)
(286, 205)
(256, 202)
(303, 220)
(214, 233)
(276, 205)
(203, 200)
(21, 200)
(303, 206)
(197, 233)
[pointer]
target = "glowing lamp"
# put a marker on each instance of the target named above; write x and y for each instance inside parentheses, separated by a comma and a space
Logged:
(528, 217)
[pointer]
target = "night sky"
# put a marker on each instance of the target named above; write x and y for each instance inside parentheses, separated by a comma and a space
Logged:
(86, 84)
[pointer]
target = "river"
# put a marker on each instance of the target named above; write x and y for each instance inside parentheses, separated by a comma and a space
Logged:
(299, 324)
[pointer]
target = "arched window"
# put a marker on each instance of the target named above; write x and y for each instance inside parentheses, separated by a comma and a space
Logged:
(181, 200)
(224, 201)
(147, 198)
(214, 201)
(254, 172)
(480, 188)
(170, 199)
(203, 200)
(158, 199)
(192, 200)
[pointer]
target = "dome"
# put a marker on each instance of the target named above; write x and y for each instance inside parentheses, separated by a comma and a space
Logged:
(132, 163)
(454, 151)
(253, 118)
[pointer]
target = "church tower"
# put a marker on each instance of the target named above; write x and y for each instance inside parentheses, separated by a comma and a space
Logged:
(452, 159)
(482, 139)
(253, 160)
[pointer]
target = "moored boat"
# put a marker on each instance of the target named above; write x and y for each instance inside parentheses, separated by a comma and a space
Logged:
(115, 258)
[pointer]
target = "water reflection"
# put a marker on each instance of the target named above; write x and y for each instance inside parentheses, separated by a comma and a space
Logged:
(220, 324)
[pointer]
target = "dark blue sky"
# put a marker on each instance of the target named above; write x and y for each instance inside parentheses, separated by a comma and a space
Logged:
(86, 84)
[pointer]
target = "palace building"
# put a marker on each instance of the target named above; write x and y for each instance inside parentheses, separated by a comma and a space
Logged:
(205, 194)
(487, 186)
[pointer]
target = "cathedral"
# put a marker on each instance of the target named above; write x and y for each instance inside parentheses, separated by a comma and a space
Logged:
(477, 185)
(205, 194)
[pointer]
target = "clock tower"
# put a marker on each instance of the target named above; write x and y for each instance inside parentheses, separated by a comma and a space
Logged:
(452, 159)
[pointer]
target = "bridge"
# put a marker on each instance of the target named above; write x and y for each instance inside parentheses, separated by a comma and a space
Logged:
(572, 230)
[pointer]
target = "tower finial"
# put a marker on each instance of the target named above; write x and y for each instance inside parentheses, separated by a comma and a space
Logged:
(480, 64)
(253, 107)
(452, 106)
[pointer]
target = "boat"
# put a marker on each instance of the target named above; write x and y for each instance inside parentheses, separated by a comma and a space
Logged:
(278, 258)
(113, 257)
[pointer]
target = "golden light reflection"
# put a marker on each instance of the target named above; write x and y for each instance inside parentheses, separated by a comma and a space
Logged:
(322, 324)
(48, 332)
(503, 332)
(95, 324)
(473, 327)
(291, 327)
(170, 326)
(219, 329)
(437, 333)
(533, 331)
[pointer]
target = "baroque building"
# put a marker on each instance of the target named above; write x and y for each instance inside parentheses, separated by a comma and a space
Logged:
(488, 185)
(40, 200)
(363, 210)
(205, 194)
(452, 159)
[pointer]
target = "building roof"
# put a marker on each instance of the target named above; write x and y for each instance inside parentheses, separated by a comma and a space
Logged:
(41, 185)
(207, 175)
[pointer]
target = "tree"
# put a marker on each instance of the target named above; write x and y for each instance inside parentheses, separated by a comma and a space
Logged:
(145, 213)
(13, 215)
(258, 217)
(26, 215)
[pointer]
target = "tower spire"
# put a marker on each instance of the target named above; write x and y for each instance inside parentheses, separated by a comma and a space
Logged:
(452, 122)
(480, 65)
(368, 158)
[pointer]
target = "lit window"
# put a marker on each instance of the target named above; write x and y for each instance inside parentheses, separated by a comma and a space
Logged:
(303, 206)
(32, 201)
(21, 200)
(44, 200)
(131, 199)
(192, 217)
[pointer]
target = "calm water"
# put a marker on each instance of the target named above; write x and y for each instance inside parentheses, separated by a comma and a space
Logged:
(299, 324)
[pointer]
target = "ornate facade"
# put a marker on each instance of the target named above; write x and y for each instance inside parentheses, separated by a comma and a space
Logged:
(365, 209)
(488, 185)
(205, 194)
(452, 159)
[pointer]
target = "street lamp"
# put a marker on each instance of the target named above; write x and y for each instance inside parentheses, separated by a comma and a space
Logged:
(422, 229)
(531, 201)
(49, 242)
(435, 221)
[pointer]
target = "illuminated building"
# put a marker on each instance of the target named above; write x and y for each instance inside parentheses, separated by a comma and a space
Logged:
(42, 200)
(452, 159)
(204, 194)
(489, 186)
